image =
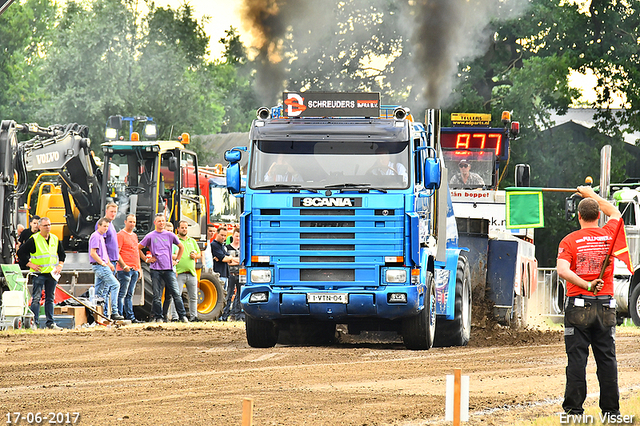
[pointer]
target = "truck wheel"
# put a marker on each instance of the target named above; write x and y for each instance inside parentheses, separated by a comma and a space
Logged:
(418, 332)
(519, 312)
(145, 311)
(634, 305)
(260, 333)
(457, 332)
(556, 302)
(211, 297)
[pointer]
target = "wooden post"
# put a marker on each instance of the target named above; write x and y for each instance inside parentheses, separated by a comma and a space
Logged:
(457, 378)
(247, 412)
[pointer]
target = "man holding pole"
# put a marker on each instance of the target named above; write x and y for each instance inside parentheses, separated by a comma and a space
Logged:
(590, 309)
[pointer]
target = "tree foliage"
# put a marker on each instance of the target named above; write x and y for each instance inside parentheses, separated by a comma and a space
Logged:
(106, 57)
(25, 31)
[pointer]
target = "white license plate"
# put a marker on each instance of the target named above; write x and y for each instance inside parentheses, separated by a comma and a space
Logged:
(327, 298)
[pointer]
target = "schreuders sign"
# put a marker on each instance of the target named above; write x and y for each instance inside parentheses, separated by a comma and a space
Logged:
(329, 104)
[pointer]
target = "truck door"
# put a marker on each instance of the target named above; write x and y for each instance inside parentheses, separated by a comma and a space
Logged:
(191, 207)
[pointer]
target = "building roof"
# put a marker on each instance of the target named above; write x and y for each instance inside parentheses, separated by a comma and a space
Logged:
(585, 117)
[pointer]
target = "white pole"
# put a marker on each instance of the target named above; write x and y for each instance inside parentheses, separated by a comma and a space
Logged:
(457, 398)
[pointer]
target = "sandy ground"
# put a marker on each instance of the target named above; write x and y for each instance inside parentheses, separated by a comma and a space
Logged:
(199, 374)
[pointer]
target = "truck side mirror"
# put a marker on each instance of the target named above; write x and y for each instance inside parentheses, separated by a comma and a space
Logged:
(432, 173)
(173, 164)
(233, 177)
(571, 206)
(233, 156)
(523, 175)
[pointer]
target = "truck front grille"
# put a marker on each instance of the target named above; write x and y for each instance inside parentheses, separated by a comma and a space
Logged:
(328, 275)
(315, 245)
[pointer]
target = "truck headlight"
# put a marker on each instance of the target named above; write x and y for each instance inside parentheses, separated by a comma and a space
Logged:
(396, 276)
(260, 275)
(262, 296)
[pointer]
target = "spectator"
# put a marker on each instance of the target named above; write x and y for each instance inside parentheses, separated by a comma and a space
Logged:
(24, 236)
(111, 242)
(19, 230)
(168, 307)
(160, 242)
(207, 257)
(128, 271)
(221, 258)
(233, 311)
(186, 268)
(111, 237)
(46, 257)
(107, 286)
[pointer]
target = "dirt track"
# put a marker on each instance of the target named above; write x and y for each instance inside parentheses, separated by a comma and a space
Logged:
(198, 374)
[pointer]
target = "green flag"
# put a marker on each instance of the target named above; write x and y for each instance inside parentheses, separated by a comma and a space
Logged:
(524, 209)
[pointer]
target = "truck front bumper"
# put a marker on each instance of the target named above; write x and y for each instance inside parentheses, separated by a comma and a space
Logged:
(386, 302)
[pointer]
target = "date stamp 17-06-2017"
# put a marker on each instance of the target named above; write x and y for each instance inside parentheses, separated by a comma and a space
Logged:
(42, 418)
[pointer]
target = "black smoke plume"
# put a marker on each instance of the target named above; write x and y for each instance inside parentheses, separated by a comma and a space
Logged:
(448, 31)
(269, 22)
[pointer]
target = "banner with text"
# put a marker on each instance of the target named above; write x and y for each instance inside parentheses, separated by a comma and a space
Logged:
(331, 104)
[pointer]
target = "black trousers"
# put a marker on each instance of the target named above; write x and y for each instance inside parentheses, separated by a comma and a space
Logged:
(592, 324)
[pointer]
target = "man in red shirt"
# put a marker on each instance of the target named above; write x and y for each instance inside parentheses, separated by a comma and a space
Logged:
(590, 319)
(128, 270)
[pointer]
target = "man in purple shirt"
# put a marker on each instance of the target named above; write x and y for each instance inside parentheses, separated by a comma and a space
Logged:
(107, 286)
(160, 244)
(111, 236)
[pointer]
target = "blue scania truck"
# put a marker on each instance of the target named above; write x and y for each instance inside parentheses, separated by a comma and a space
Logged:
(348, 219)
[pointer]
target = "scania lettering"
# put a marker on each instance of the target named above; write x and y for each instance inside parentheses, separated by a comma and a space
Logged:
(327, 202)
(348, 221)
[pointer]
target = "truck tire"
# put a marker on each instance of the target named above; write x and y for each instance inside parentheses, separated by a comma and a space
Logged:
(556, 302)
(418, 332)
(261, 333)
(211, 297)
(457, 332)
(519, 312)
(634, 305)
(144, 312)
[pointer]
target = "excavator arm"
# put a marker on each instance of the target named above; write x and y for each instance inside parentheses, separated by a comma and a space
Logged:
(61, 148)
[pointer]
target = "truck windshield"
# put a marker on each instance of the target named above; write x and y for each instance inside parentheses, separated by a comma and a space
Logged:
(470, 169)
(321, 164)
(131, 183)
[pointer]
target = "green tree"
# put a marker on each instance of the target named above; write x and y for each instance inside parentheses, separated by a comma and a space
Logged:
(25, 32)
(91, 72)
(235, 77)
(109, 59)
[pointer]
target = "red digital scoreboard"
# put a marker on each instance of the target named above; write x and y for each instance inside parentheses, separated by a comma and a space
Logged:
(470, 138)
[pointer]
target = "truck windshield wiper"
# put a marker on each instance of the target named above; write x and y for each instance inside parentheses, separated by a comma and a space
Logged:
(283, 186)
(347, 185)
(358, 186)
